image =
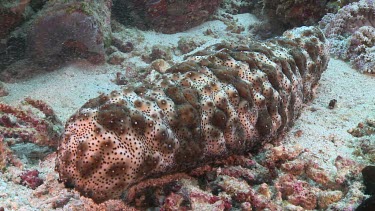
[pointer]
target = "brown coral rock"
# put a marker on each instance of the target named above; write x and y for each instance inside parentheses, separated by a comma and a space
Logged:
(64, 31)
(12, 13)
(164, 16)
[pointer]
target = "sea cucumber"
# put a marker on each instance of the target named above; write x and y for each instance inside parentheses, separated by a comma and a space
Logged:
(225, 100)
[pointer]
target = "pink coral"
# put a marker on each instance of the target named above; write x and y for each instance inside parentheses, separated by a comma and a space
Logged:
(362, 49)
(29, 126)
(297, 192)
(351, 34)
(172, 202)
(350, 18)
(31, 179)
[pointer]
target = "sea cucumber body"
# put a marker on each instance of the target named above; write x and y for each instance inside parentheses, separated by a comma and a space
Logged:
(223, 101)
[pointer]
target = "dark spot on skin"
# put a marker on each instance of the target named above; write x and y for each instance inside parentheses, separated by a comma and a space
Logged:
(225, 74)
(163, 104)
(244, 90)
(138, 122)
(141, 90)
(138, 103)
(190, 152)
(106, 144)
(219, 119)
(175, 94)
(161, 136)
(148, 165)
(87, 165)
(264, 123)
(82, 149)
(222, 104)
(114, 117)
(188, 115)
(66, 158)
(116, 170)
(215, 133)
(191, 96)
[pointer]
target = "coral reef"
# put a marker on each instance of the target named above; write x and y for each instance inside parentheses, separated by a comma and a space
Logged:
(225, 100)
(162, 15)
(6, 156)
(351, 33)
(368, 174)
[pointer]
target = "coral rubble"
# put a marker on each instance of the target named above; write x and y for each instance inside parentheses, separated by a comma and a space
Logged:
(351, 33)
(225, 100)
(244, 182)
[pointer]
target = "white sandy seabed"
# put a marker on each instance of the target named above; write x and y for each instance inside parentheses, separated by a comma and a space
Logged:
(324, 130)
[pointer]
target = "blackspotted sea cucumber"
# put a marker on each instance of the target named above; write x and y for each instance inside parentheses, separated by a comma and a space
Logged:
(225, 100)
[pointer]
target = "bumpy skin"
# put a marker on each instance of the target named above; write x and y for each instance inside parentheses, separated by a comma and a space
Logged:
(209, 107)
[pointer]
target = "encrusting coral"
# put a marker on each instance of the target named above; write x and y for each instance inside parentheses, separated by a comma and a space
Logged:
(225, 100)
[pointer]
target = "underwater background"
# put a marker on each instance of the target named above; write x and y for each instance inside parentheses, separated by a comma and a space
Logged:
(66, 65)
